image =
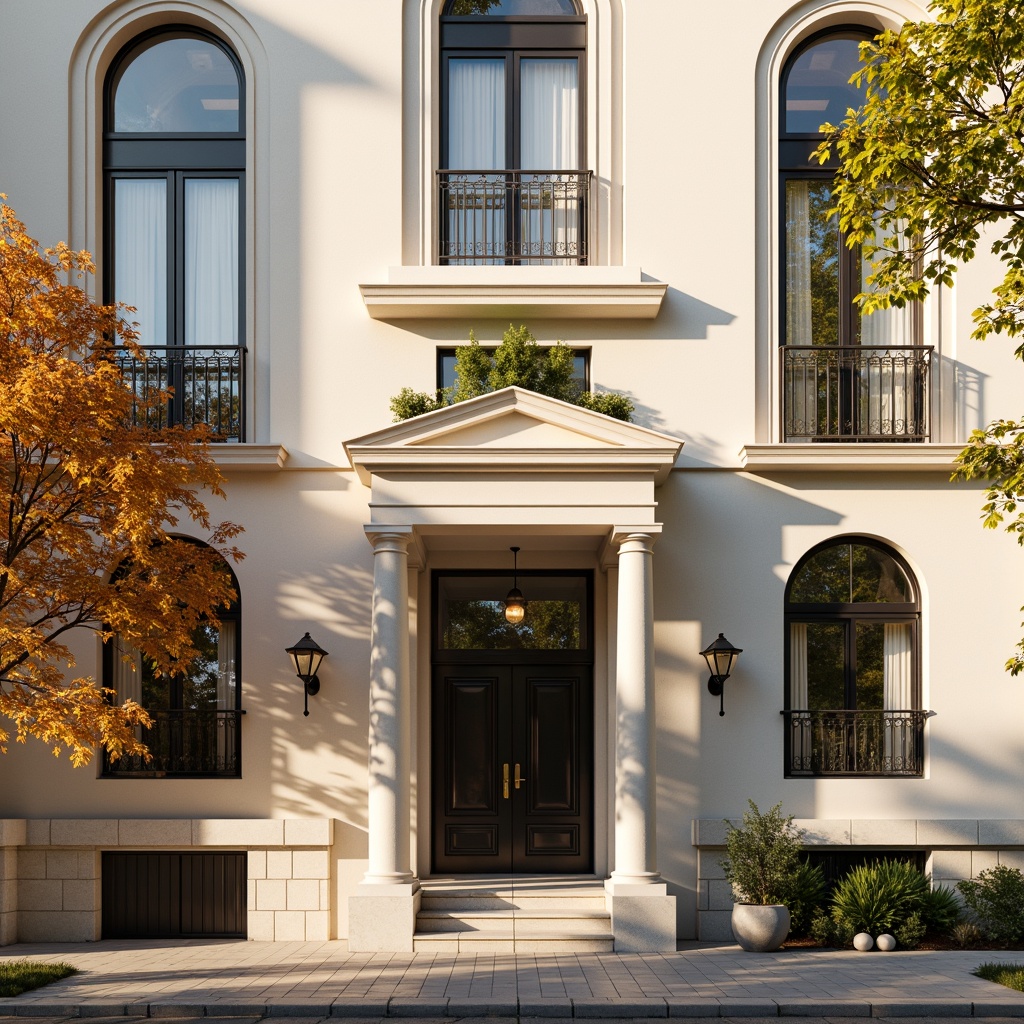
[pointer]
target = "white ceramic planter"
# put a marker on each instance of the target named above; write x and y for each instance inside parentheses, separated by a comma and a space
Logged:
(760, 929)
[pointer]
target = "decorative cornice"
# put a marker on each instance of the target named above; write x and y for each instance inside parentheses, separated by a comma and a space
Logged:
(249, 458)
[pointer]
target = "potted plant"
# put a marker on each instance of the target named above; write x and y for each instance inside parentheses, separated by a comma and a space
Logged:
(763, 857)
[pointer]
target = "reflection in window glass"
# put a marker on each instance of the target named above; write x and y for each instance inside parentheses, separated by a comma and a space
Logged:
(812, 264)
(495, 8)
(818, 88)
(848, 573)
(472, 613)
(178, 85)
(447, 377)
(826, 665)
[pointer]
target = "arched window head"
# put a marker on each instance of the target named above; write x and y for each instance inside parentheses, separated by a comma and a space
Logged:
(513, 8)
(816, 85)
(853, 695)
(851, 573)
(176, 82)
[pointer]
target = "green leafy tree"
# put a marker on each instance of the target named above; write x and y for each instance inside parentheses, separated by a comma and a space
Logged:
(931, 168)
(517, 362)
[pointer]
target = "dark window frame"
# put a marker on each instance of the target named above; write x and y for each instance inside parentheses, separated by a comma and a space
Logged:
(905, 732)
(173, 157)
(794, 155)
(233, 614)
(448, 352)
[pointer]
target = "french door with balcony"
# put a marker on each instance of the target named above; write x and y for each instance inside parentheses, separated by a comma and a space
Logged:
(511, 186)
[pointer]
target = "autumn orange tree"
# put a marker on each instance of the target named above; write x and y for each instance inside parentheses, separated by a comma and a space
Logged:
(88, 501)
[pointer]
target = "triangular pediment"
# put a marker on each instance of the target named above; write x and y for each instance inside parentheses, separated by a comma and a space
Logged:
(511, 431)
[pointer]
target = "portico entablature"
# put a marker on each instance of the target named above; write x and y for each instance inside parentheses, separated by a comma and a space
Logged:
(513, 457)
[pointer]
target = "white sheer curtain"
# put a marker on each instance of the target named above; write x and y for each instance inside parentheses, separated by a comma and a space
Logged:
(211, 261)
(140, 248)
(549, 141)
(898, 692)
(891, 376)
(897, 673)
(800, 732)
(226, 674)
(126, 675)
(798, 264)
(476, 142)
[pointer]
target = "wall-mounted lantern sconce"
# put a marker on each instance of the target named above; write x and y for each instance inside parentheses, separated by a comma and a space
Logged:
(307, 655)
(720, 656)
(515, 604)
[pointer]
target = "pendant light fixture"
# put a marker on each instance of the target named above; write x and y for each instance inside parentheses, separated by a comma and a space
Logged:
(515, 605)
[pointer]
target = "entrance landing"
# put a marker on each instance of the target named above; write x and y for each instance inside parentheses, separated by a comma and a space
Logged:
(513, 914)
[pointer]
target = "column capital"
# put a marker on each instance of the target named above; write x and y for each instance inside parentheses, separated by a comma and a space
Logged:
(402, 540)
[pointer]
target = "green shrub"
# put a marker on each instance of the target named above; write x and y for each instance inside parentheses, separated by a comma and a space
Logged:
(941, 909)
(807, 894)
(830, 932)
(910, 932)
(996, 898)
(763, 856)
(966, 934)
(875, 898)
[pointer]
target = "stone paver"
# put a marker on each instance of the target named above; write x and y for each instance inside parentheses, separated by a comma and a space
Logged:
(308, 981)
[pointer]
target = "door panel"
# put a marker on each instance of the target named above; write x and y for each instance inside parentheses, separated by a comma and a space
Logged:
(512, 769)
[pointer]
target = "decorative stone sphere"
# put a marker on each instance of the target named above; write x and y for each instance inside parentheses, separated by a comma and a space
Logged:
(886, 943)
(863, 941)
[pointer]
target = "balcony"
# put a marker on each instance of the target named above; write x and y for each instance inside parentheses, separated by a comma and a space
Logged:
(856, 393)
(183, 743)
(862, 743)
(513, 217)
(207, 384)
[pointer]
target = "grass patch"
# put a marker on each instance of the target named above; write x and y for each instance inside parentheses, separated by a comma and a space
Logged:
(17, 976)
(1010, 975)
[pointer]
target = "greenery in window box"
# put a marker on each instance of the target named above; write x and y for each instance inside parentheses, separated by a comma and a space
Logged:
(520, 362)
(763, 856)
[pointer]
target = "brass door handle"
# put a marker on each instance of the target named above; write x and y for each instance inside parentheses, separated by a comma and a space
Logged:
(504, 779)
(519, 778)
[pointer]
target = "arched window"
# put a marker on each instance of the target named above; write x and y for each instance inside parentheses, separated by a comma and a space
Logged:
(853, 689)
(511, 186)
(845, 375)
(174, 162)
(196, 715)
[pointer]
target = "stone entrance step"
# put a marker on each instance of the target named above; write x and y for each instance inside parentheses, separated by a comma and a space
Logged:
(519, 914)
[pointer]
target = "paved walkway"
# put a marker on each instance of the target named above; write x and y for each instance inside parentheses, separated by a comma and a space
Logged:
(321, 979)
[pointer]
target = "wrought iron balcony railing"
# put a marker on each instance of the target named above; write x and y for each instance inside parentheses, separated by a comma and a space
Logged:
(856, 392)
(855, 742)
(186, 742)
(207, 384)
(513, 216)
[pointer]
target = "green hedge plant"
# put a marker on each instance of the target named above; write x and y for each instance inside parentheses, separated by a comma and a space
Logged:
(763, 856)
(996, 899)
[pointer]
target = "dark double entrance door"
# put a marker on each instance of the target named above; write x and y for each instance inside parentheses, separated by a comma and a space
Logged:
(512, 769)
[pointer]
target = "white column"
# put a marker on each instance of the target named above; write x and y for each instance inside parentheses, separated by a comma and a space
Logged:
(643, 913)
(390, 712)
(635, 774)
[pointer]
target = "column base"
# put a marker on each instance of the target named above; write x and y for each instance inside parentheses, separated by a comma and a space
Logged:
(382, 917)
(643, 917)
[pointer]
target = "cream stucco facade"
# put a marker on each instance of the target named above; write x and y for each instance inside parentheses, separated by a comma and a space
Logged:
(689, 521)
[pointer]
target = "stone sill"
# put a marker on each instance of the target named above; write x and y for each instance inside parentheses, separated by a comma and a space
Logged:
(167, 832)
(868, 457)
(899, 832)
(253, 458)
(516, 293)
